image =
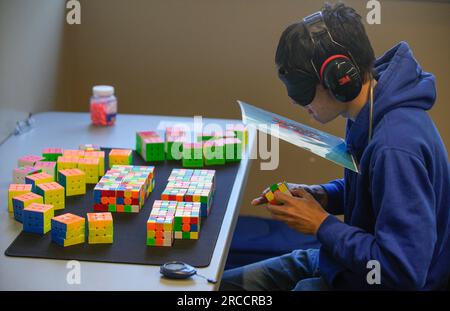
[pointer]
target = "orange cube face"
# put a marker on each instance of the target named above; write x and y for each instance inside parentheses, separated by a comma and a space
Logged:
(69, 219)
(40, 208)
(74, 153)
(120, 157)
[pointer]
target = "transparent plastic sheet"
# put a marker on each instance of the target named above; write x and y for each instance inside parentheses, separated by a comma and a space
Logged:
(325, 145)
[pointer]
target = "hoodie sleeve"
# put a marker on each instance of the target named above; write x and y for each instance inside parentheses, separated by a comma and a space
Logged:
(405, 230)
(335, 192)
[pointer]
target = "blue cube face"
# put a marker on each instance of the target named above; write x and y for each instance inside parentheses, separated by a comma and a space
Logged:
(62, 179)
(97, 196)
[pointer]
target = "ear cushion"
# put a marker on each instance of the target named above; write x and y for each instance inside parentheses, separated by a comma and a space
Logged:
(340, 76)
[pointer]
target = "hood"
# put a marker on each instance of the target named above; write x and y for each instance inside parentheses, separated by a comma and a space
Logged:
(401, 82)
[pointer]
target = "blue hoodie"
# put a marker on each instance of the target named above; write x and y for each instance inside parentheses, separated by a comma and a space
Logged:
(397, 210)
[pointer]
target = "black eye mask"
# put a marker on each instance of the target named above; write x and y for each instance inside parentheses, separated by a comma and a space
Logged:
(300, 86)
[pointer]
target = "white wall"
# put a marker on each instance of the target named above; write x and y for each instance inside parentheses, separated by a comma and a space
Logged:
(31, 33)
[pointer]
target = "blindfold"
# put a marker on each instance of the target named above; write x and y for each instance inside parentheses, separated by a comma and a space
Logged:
(300, 85)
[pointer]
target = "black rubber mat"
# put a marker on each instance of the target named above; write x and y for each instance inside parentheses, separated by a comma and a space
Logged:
(130, 228)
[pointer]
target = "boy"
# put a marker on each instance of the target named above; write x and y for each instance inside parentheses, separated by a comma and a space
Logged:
(397, 208)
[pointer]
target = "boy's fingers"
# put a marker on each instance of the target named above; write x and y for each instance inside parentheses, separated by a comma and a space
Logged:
(259, 200)
(301, 192)
(284, 197)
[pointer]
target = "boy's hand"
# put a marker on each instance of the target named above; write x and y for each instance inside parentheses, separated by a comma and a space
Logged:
(315, 190)
(301, 212)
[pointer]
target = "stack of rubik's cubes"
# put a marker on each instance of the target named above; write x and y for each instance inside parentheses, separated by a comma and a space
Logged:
(124, 188)
(187, 185)
(68, 229)
(160, 224)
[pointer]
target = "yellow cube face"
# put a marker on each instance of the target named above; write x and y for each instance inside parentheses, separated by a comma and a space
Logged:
(15, 190)
(91, 168)
(56, 198)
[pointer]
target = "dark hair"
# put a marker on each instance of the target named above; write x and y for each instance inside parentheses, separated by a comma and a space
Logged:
(295, 48)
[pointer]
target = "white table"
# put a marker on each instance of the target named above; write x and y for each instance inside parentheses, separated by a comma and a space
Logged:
(69, 130)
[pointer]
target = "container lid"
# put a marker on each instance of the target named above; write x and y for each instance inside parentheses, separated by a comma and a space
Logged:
(103, 90)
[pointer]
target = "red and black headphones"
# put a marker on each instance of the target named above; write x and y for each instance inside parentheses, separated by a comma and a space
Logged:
(338, 72)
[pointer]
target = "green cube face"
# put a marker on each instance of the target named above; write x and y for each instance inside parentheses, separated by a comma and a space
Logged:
(186, 235)
(154, 152)
(150, 241)
(174, 150)
(192, 163)
(274, 187)
(177, 226)
(127, 208)
(138, 144)
(111, 208)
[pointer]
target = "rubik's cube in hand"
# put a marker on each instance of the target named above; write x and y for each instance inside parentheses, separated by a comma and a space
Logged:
(270, 195)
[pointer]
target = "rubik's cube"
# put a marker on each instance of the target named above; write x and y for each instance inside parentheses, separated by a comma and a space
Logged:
(73, 153)
(173, 194)
(200, 193)
(48, 167)
(174, 145)
(73, 180)
(160, 223)
(120, 157)
(187, 221)
(124, 188)
(270, 195)
(90, 147)
(37, 218)
(21, 201)
(150, 146)
(67, 162)
(68, 229)
(29, 160)
(214, 152)
(20, 173)
(100, 155)
(36, 179)
(16, 190)
(100, 228)
(233, 149)
(240, 131)
(52, 154)
(192, 155)
(53, 193)
(91, 167)
(181, 174)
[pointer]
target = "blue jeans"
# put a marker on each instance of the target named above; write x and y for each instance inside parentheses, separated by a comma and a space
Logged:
(298, 271)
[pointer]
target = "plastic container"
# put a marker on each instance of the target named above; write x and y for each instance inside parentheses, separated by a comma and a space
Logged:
(103, 105)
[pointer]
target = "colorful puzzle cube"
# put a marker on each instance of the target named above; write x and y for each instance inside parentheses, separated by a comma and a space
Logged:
(270, 195)
(233, 149)
(37, 218)
(150, 146)
(187, 221)
(124, 188)
(36, 179)
(29, 160)
(202, 195)
(100, 228)
(173, 194)
(21, 201)
(240, 131)
(68, 229)
(73, 180)
(16, 190)
(100, 155)
(89, 147)
(74, 153)
(91, 167)
(52, 154)
(53, 193)
(67, 162)
(48, 167)
(20, 173)
(120, 157)
(214, 152)
(174, 146)
(192, 155)
(181, 174)
(160, 223)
